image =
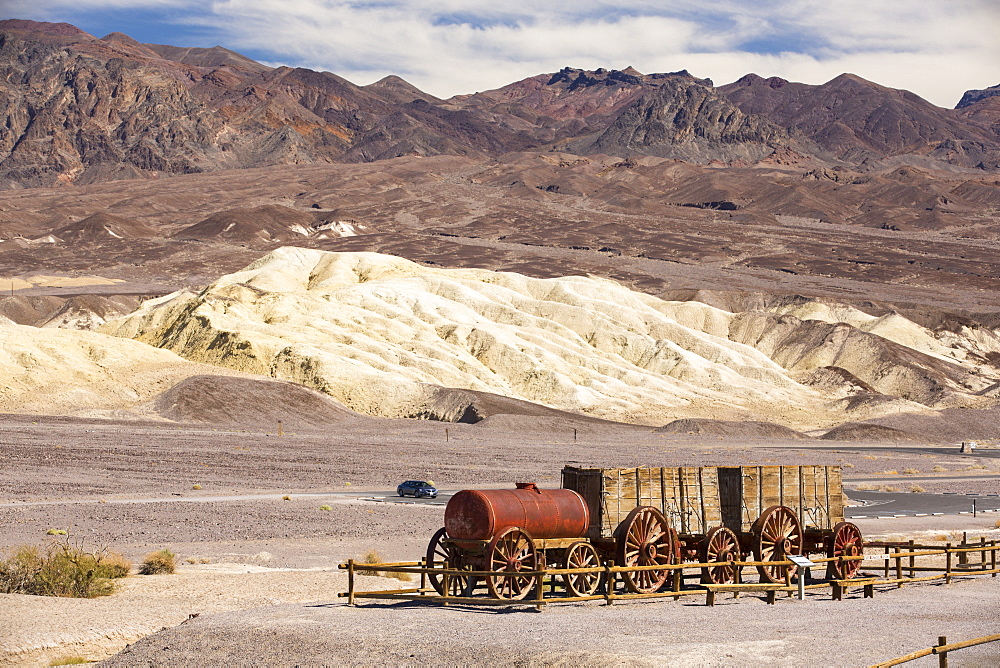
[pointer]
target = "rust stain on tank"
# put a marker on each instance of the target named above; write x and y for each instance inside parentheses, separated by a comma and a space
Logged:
(542, 513)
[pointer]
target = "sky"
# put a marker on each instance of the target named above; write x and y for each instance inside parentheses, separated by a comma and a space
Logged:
(935, 48)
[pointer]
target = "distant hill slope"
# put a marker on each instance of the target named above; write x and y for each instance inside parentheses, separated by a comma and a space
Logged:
(112, 108)
(383, 335)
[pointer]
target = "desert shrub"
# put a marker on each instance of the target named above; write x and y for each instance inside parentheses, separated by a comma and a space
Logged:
(286, 498)
(888, 488)
(938, 468)
(61, 569)
(865, 487)
(917, 488)
(911, 471)
(326, 507)
(373, 557)
(847, 465)
(195, 486)
(69, 661)
(890, 472)
(158, 563)
(869, 457)
(997, 524)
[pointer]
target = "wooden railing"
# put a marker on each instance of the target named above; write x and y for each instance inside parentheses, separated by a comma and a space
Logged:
(912, 562)
(941, 650)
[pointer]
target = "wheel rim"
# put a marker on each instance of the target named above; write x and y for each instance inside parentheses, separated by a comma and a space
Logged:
(645, 539)
(443, 556)
(720, 545)
(846, 542)
(512, 552)
(777, 534)
(582, 555)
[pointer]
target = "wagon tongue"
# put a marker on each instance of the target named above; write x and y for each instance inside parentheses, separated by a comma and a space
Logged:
(527, 485)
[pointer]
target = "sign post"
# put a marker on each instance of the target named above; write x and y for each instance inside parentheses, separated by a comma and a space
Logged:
(804, 564)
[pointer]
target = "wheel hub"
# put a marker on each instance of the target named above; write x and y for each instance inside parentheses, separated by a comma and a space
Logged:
(649, 551)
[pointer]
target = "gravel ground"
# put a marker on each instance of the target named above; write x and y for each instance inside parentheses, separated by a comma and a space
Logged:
(263, 577)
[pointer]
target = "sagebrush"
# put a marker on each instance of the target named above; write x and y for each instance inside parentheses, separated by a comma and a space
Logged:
(158, 563)
(61, 569)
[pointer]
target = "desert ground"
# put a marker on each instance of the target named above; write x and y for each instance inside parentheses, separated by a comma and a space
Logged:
(258, 579)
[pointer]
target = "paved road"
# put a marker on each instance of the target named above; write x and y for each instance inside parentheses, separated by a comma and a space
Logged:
(910, 504)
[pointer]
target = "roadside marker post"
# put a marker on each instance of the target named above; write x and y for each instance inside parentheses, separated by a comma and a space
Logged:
(804, 564)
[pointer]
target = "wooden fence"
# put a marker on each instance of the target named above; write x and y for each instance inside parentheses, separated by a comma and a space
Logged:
(899, 563)
(941, 650)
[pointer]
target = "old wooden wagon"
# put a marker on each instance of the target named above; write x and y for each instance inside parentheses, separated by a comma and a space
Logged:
(646, 517)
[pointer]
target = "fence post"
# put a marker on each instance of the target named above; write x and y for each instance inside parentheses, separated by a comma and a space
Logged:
(886, 564)
(540, 591)
(678, 580)
(947, 564)
(943, 656)
(963, 557)
(993, 559)
(912, 559)
(982, 555)
(423, 575)
(446, 584)
(899, 568)
(350, 582)
(609, 585)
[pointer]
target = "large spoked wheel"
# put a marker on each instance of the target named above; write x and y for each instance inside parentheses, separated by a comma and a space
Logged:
(582, 555)
(846, 542)
(720, 546)
(441, 555)
(511, 553)
(645, 539)
(777, 534)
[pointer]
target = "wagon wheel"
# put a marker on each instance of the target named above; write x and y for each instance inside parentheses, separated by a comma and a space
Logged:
(441, 555)
(582, 554)
(645, 539)
(720, 545)
(846, 542)
(511, 552)
(776, 534)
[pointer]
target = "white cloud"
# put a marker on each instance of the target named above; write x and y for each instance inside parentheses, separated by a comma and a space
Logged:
(933, 48)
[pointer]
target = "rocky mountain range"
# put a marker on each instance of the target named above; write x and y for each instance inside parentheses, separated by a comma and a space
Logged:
(81, 109)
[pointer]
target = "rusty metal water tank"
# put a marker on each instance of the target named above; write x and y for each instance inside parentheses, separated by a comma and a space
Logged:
(544, 513)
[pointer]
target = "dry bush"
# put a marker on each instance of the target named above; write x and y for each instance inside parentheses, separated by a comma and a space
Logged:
(911, 471)
(869, 457)
(938, 469)
(326, 507)
(917, 488)
(159, 563)
(847, 465)
(373, 557)
(997, 524)
(865, 487)
(976, 467)
(69, 661)
(888, 488)
(61, 569)
(890, 472)
(286, 498)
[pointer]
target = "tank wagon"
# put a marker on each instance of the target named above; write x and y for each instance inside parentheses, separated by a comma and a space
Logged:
(645, 517)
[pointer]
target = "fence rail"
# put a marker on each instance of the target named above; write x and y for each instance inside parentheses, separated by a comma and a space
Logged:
(917, 558)
(941, 649)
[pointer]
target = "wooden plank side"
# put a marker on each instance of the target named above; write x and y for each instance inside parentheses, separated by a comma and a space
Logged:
(835, 487)
(791, 490)
(770, 487)
(752, 495)
(711, 507)
(813, 505)
(731, 497)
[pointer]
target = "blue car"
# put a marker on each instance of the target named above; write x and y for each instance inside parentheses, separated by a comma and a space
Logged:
(417, 489)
